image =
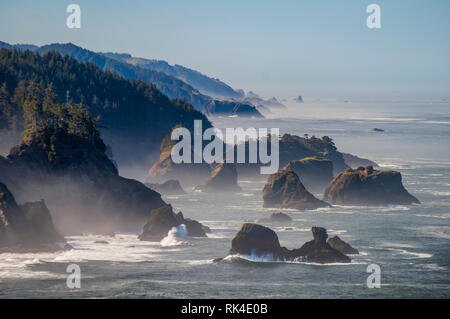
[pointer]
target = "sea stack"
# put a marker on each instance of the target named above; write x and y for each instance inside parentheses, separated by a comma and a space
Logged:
(368, 187)
(285, 190)
(261, 241)
(163, 219)
(26, 228)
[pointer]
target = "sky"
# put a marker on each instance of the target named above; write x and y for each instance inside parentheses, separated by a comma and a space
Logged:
(283, 48)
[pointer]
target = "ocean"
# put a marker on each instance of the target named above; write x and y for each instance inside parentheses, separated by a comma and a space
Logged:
(411, 244)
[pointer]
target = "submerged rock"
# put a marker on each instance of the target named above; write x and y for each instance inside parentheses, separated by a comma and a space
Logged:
(170, 187)
(26, 228)
(276, 218)
(163, 219)
(314, 172)
(285, 190)
(342, 246)
(257, 240)
(222, 179)
(366, 186)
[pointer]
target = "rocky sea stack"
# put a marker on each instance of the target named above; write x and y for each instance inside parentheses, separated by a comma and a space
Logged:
(338, 244)
(163, 219)
(257, 240)
(78, 181)
(285, 190)
(223, 178)
(314, 172)
(26, 228)
(366, 186)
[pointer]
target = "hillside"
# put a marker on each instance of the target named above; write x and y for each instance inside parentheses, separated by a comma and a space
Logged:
(169, 85)
(135, 116)
(206, 85)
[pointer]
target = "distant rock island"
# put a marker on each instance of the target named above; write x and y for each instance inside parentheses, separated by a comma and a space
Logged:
(366, 186)
(299, 99)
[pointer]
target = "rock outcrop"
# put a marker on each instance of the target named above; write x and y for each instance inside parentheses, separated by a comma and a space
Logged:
(293, 148)
(285, 190)
(79, 183)
(254, 239)
(366, 186)
(222, 179)
(338, 244)
(318, 250)
(257, 240)
(26, 228)
(170, 187)
(163, 219)
(314, 172)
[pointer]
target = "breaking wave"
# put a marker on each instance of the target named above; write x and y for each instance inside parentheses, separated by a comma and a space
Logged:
(176, 236)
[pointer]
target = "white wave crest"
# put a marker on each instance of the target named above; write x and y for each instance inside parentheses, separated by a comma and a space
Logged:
(175, 237)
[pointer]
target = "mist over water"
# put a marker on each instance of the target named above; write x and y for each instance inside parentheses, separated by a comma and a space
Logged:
(410, 243)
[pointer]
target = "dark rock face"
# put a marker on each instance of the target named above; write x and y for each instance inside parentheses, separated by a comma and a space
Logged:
(314, 172)
(317, 250)
(338, 244)
(194, 228)
(229, 106)
(170, 187)
(163, 219)
(366, 186)
(222, 179)
(79, 182)
(26, 228)
(258, 240)
(285, 190)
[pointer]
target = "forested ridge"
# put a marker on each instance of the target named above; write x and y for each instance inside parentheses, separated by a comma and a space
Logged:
(32, 85)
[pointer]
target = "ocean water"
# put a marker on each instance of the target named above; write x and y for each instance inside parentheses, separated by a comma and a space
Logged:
(411, 244)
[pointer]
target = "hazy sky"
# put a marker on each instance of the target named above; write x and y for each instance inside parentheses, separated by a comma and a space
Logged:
(282, 48)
